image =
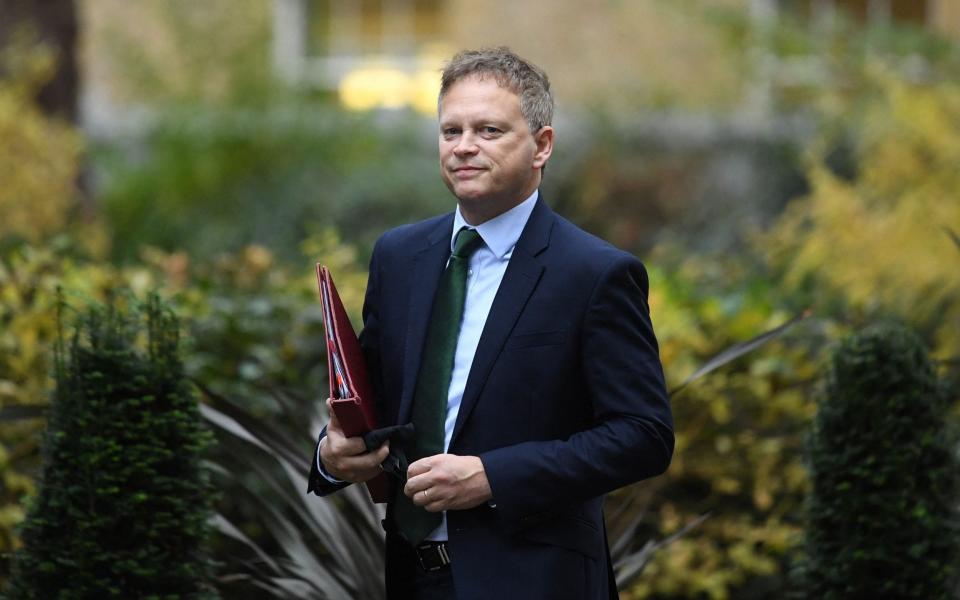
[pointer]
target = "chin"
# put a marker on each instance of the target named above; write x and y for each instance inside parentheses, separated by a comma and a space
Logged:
(468, 193)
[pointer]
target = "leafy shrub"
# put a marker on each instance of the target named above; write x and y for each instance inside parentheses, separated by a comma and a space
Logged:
(884, 478)
(39, 156)
(255, 336)
(879, 221)
(39, 162)
(258, 354)
(123, 502)
(268, 177)
(29, 279)
(277, 541)
(739, 435)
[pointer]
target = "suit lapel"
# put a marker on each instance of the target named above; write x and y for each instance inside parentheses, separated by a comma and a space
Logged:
(520, 279)
(427, 266)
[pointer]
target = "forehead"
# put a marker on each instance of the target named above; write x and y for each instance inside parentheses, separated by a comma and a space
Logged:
(479, 93)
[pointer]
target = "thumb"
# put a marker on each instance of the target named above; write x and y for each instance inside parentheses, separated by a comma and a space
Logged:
(333, 424)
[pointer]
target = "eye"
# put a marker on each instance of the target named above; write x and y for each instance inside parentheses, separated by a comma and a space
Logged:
(490, 130)
(450, 132)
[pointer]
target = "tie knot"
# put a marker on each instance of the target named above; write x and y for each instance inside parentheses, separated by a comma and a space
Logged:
(467, 242)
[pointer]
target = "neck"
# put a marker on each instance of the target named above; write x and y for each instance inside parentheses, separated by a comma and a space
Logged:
(478, 212)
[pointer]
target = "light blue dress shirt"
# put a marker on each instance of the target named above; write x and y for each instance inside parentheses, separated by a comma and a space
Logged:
(487, 267)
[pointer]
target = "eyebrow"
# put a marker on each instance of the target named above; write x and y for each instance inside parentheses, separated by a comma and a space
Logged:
(482, 122)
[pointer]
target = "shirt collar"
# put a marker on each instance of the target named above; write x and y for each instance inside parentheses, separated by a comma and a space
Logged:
(500, 233)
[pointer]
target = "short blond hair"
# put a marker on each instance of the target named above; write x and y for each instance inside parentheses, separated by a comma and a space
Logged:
(525, 79)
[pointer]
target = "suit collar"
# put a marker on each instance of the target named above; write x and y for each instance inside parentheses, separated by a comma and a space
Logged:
(425, 269)
(500, 234)
(439, 231)
(536, 235)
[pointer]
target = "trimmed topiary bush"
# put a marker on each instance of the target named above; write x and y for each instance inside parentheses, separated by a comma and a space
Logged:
(881, 522)
(123, 500)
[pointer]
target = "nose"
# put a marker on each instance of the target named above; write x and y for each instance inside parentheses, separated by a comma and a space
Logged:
(466, 145)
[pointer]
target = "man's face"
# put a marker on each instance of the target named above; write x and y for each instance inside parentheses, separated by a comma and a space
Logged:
(488, 157)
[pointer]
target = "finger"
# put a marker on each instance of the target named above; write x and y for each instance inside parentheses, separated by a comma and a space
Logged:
(359, 476)
(418, 498)
(424, 497)
(417, 484)
(362, 462)
(419, 467)
(356, 468)
(355, 446)
(333, 423)
(378, 456)
(436, 499)
(344, 446)
(408, 490)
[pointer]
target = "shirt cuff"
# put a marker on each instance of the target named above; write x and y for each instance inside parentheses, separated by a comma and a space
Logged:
(323, 471)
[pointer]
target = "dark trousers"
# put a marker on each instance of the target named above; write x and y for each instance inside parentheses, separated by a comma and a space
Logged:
(406, 580)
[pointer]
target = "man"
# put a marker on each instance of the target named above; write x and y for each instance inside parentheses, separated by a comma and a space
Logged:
(531, 340)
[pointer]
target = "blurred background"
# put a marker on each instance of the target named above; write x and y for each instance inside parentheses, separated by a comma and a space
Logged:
(770, 161)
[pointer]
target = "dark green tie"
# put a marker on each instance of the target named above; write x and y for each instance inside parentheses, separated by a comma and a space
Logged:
(433, 382)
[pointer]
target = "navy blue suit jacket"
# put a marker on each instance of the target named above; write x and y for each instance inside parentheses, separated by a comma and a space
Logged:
(565, 400)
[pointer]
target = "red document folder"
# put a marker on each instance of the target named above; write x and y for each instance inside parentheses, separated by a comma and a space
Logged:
(349, 386)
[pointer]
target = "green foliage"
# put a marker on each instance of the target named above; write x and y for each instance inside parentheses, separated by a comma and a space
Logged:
(38, 155)
(213, 204)
(39, 163)
(303, 546)
(215, 181)
(124, 500)
(882, 173)
(257, 352)
(29, 279)
(882, 521)
(254, 335)
(882, 177)
(233, 157)
(878, 226)
(27, 330)
(634, 183)
(825, 67)
(739, 434)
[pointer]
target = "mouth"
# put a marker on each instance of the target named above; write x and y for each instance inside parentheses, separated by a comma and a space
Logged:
(466, 172)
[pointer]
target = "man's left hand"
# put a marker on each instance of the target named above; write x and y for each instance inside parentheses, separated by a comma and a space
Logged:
(447, 482)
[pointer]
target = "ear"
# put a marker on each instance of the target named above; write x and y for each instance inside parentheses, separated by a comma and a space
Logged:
(543, 138)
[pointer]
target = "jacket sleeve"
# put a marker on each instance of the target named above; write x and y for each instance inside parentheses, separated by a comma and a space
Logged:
(320, 482)
(631, 435)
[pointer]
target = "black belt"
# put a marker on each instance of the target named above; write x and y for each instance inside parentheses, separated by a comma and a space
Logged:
(432, 556)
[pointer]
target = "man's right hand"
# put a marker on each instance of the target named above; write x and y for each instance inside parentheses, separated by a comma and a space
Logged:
(346, 458)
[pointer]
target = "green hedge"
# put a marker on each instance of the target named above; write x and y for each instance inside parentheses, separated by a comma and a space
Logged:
(123, 502)
(884, 477)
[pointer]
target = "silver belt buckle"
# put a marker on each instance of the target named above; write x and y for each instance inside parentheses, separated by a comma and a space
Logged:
(438, 550)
